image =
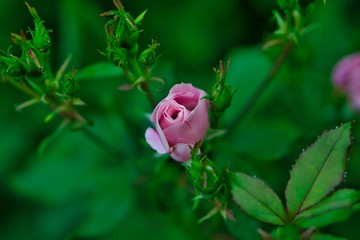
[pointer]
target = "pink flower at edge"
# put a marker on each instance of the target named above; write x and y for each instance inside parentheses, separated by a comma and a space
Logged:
(346, 77)
(181, 120)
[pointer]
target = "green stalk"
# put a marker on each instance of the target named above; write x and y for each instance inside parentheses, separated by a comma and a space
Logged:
(145, 74)
(265, 83)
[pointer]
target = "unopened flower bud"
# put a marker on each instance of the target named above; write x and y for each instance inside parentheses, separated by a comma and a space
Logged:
(221, 95)
(204, 174)
(148, 56)
(13, 67)
(40, 36)
(33, 65)
(118, 56)
(121, 31)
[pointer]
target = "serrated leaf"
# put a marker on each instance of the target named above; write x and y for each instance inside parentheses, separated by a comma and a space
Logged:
(99, 70)
(341, 199)
(338, 215)
(257, 199)
(318, 170)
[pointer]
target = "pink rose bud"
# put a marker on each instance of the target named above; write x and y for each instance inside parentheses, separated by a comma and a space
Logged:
(346, 77)
(181, 120)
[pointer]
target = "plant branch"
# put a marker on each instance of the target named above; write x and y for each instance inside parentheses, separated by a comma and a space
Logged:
(252, 100)
(145, 74)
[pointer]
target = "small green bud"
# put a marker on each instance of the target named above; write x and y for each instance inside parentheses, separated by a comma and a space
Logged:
(12, 67)
(148, 57)
(204, 175)
(207, 178)
(16, 72)
(40, 36)
(34, 67)
(288, 5)
(122, 35)
(221, 95)
(118, 56)
(121, 31)
(71, 86)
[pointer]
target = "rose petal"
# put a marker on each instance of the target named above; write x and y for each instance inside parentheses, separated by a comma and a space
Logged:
(153, 139)
(193, 129)
(181, 152)
(343, 68)
(172, 114)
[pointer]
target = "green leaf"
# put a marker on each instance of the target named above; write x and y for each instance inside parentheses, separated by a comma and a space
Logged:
(140, 17)
(99, 70)
(318, 170)
(287, 232)
(335, 208)
(341, 199)
(327, 218)
(257, 200)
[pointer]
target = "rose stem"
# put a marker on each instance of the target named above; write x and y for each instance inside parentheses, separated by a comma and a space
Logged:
(145, 85)
(284, 53)
(92, 136)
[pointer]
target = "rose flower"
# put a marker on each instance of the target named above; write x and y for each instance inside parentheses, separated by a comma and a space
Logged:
(181, 120)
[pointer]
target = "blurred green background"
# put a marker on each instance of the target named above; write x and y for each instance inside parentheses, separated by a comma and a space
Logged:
(59, 184)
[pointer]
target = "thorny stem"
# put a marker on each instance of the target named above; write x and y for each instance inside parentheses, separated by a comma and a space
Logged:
(284, 53)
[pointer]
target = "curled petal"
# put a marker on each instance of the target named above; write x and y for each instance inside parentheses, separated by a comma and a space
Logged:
(181, 152)
(342, 70)
(193, 129)
(154, 140)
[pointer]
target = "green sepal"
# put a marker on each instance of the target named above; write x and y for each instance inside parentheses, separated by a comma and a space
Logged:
(40, 36)
(140, 17)
(149, 57)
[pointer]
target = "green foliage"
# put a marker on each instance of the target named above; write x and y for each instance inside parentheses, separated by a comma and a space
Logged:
(324, 164)
(106, 183)
(257, 200)
(337, 207)
(307, 202)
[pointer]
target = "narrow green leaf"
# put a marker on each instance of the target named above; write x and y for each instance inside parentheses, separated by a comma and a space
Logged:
(257, 199)
(318, 170)
(328, 218)
(99, 70)
(140, 17)
(341, 199)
